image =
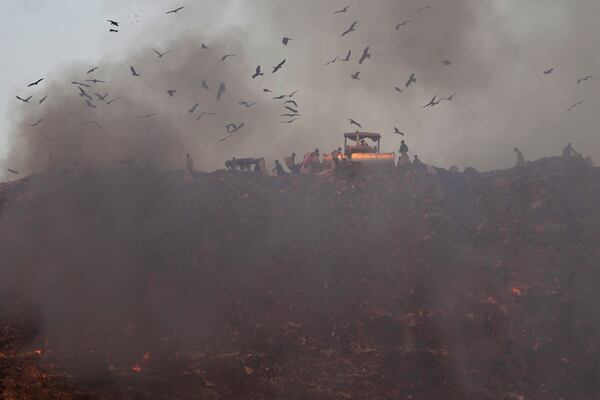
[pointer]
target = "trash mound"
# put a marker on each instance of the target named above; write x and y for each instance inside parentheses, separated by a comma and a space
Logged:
(415, 284)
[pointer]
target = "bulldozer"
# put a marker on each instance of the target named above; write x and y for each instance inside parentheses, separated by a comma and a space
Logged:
(359, 152)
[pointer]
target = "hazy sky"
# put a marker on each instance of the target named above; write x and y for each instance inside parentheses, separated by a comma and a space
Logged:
(498, 51)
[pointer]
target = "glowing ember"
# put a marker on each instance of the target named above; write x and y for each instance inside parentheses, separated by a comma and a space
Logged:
(146, 357)
(136, 368)
(516, 292)
(38, 352)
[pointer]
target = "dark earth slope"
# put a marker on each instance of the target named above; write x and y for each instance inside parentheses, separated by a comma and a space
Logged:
(402, 285)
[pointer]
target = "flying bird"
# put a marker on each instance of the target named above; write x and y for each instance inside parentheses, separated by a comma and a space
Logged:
(37, 123)
(89, 104)
(397, 131)
(171, 92)
(13, 171)
(91, 70)
(575, 105)
(343, 10)
(226, 56)
(351, 29)
(397, 89)
(291, 109)
(257, 73)
(149, 115)
(280, 97)
(290, 121)
(35, 83)
(83, 93)
(402, 24)
(93, 123)
(113, 30)
(42, 100)
(451, 97)
(205, 47)
(205, 85)
(267, 91)
(100, 97)
(411, 79)
(291, 102)
(278, 66)
(293, 93)
(175, 11)
(133, 71)
(193, 109)
(291, 115)
(548, 72)
(584, 79)
(355, 76)
(365, 55)
(161, 55)
(431, 103)
(334, 60)
(25, 100)
(221, 91)
(225, 138)
(81, 84)
(347, 58)
(204, 113)
(425, 8)
(232, 128)
(113, 23)
(95, 80)
(285, 40)
(353, 122)
(247, 104)
(446, 62)
(113, 100)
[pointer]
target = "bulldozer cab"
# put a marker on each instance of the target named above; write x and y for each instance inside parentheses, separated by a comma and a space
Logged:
(362, 142)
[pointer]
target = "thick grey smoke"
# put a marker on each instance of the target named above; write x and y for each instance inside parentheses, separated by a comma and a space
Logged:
(498, 53)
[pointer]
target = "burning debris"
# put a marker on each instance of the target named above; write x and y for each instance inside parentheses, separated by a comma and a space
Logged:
(408, 283)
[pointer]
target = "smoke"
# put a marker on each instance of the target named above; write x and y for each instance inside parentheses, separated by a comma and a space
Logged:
(498, 53)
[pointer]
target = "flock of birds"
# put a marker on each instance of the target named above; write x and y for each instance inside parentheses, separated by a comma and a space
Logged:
(290, 107)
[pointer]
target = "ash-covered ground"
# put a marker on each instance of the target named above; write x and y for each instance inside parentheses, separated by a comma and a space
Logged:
(136, 284)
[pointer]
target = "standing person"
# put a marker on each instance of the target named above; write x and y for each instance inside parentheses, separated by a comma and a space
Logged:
(520, 159)
(404, 150)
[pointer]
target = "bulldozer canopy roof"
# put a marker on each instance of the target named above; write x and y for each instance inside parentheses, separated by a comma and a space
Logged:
(363, 135)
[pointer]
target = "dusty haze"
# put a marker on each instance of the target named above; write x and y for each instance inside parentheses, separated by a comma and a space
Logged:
(498, 53)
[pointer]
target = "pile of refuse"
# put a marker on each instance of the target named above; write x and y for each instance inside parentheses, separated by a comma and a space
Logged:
(412, 284)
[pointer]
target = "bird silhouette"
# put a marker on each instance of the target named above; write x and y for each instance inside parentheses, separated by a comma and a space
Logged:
(205, 47)
(161, 55)
(355, 75)
(411, 79)
(203, 114)
(171, 92)
(42, 100)
(584, 79)
(175, 11)
(451, 97)
(221, 90)
(402, 24)
(278, 66)
(285, 40)
(291, 102)
(13, 171)
(39, 121)
(95, 80)
(365, 55)
(334, 60)
(232, 128)
(81, 84)
(397, 89)
(193, 109)
(25, 100)
(347, 58)
(351, 29)
(291, 115)
(247, 104)
(89, 104)
(353, 122)
(431, 103)
(290, 121)
(575, 105)
(446, 62)
(149, 115)
(226, 56)
(113, 30)
(291, 109)
(257, 73)
(100, 97)
(204, 85)
(548, 72)
(113, 100)
(397, 131)
(113, 23)
(343, 10)
(91, 70)
(134, 72)
(35, 83)
(83, 93)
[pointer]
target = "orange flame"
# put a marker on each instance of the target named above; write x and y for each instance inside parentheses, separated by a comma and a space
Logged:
(136, 368)
(516, 292)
